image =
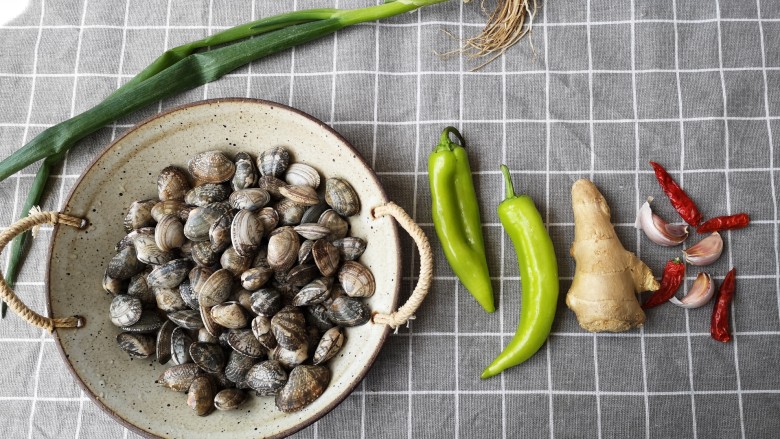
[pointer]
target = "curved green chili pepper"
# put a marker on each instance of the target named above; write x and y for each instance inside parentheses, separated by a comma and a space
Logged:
(456, 216)
(538, 273)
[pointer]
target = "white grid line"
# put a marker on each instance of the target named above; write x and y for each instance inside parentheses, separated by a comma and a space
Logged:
(502, 244)
(457, 283)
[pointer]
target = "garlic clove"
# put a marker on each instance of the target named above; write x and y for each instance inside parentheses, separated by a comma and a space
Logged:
(701, 292)
(658, 230)
(706, 251)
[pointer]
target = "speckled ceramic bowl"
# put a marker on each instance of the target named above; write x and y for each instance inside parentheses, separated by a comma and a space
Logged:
(126, 171)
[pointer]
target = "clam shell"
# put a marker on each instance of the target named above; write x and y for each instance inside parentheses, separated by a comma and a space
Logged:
(335, 292)
(304, 252)
(125, 310)
(299, 174)
(200, 396)
(216, 289)
(314, 292)
(347, 311)
(164, 342)
(171, 207)
(129, 239)
(304, 385)
(289, 328)
(283, 248)
(243, 341)
(313, 213)
(317, 316)
(149, 323)
(230, 315)
(203, 254)
(114, 286)
(268, 217)
(237, 366)
(139, 215)
(186, 318)
(135, 344)
(147, 251)
(179, 377)
(273, 161)
(330, 344)
(261, 328)
(172, 184)
(357, 280)
(211, 167)
(180, 346)
(290, 212)
(244, 298)
(339, 227)
(341, 197)
(169, 299)
(350, 247)
(208, 356)
(124, 264)
(188, 295)
(289, 359)
(206, 194)
(169, 275)
(250, 199)
(205, 337)
(234, 262)
(271, 184)
(246, 172)
(219, 233)
(211, 326)
(246, 232)
(254, 278)
(169, 233)
(326, 257)
(229, 399)
(301, 275)
(266, 301)
(140, 289)
(303, 195)
(198, 277)
(312, 231)
(267, 377)
(200, 220)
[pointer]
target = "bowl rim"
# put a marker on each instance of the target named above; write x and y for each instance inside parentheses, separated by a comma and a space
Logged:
(372, 174)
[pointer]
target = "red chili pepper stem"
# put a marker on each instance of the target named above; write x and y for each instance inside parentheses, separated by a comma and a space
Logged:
(681, 202)
(720, 326)
(674, 274)
(728, 222)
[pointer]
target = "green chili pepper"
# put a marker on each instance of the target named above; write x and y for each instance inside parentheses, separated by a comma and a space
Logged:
(538, 273)
(456, 216)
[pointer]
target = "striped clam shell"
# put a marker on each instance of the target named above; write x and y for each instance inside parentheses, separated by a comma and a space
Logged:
(300, 174)
(341, 197)
(211, 167)
(246, 172)
(273, 161)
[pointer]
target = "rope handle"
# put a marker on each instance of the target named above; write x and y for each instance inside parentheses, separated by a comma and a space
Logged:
(406, 312)
(10, 297)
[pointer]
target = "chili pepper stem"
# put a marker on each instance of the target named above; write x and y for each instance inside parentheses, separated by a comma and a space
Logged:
(446, 144)
(510, 188)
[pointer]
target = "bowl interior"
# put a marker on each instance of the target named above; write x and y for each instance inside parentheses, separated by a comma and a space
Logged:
(127, 171)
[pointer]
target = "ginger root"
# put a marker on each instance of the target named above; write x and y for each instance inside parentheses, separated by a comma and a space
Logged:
(607, 277)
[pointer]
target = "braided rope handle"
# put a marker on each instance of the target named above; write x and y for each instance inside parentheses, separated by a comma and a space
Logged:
(10, 297)
(406, 312)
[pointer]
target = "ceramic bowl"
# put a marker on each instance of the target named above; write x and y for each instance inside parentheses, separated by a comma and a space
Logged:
(126, 171)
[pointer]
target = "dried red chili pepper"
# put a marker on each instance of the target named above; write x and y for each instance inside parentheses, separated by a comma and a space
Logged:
(719, 327)
(729, 222)
(680, 200)
(673, 276)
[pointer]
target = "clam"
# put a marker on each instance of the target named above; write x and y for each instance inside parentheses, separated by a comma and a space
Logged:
(289, 328)
(125, 310)
(219, 233)
(268, 217)
(124, 264)
(290, 212)
(200, 220)
(140, 289)
(188, 295)
(208, 356)
(135, 344)
(242, 297)
(147, 251)
(237, 366)
(246, 172)
(261, 328)
(129, 239)
(186, 318)
(149, 323)
(234, 262)
(357, 280)
(312, 231)
(299, 174)
(172, 184)
(243, 341)
(211, 167)
(301, 275)
(250, 199)
(304, 385)
(350, 247)
(169, 233)
(314, 292)
(335, 292)
(180, 346)
(288, 358)
(341, 197)
(200, 396)
(211, 326)
(163, 344)
(304, 251)
(273, 161)
(271, 184)
(246, 232)
(303, 195)
(283, 248)
(230, 315)
(198, 277)
(169, 274)
(229, 399)
(206, 194)
(114, 286)
(203, 254)
(171, 207)
(179, 377)
(254, 278)
(205, 337)
(266, 301)
(169, 300)
(216, 289)
(139, 215)
(313, 213)
(267, 377)
(339, 227)
(317, 316)
(347, 311)
(329, 345)
(326, 256)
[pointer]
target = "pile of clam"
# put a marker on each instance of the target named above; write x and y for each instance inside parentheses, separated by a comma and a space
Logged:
(242, 278)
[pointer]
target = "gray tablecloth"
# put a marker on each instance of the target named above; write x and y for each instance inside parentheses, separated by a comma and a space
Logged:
(597, 90)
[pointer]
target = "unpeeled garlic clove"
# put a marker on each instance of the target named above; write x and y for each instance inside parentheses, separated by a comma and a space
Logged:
(658, 230)
(706, 251)
(700, 293)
